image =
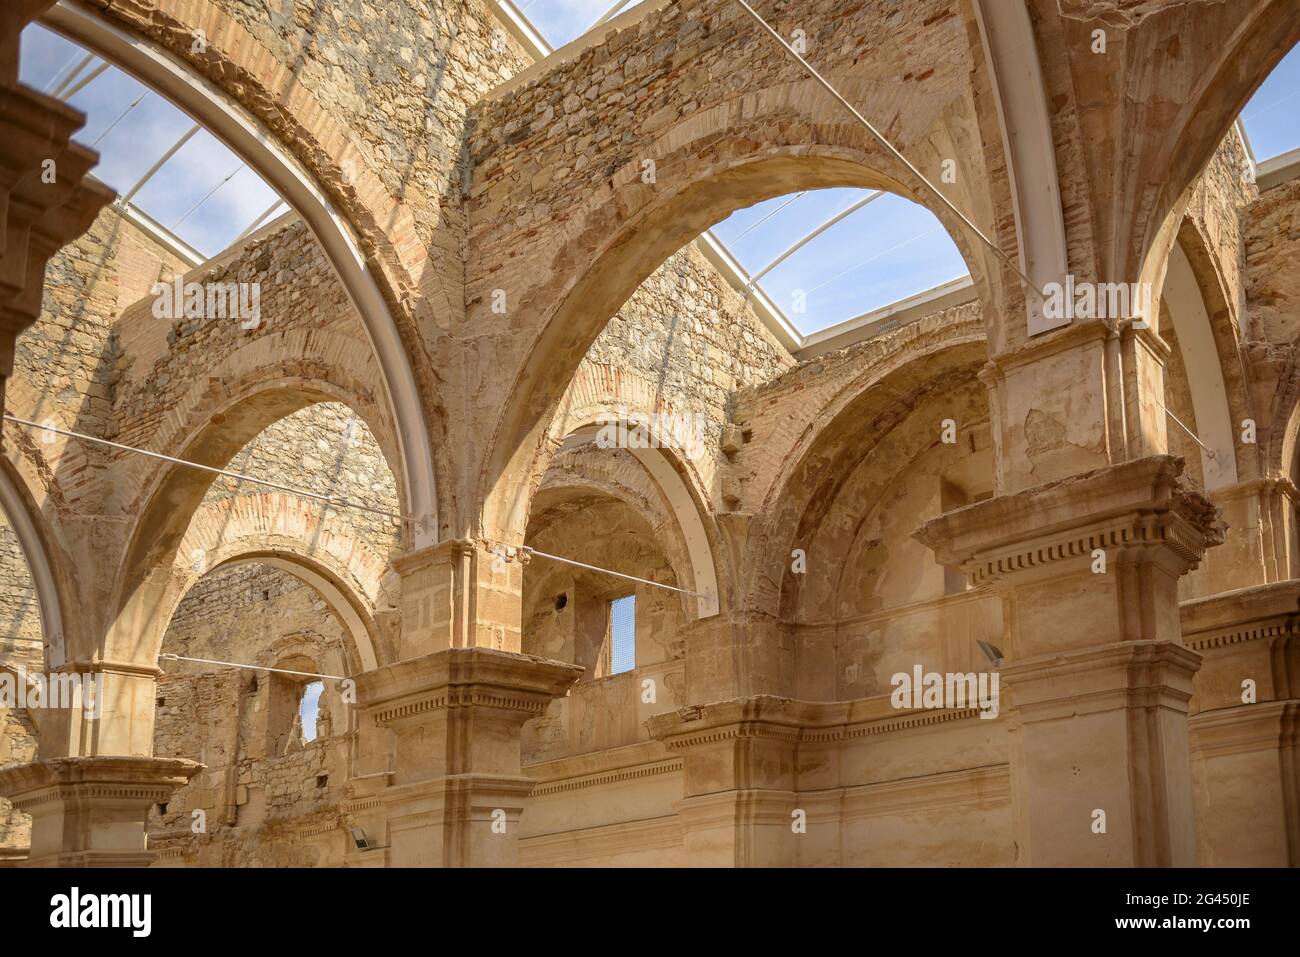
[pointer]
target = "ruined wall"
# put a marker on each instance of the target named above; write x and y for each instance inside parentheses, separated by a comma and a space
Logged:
(259, 779)
(1219, 200)
(400, 77)
(20, 613)
(687, 330)
(566, 617)
(324, 448)
(65, 362)
(1272, 248)
(161, 359)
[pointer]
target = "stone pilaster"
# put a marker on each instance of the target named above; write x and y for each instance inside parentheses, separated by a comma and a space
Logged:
(459, 594)
(1075, 400)
(455, 790)
(1245, 728)
(93, 812)
(739, 768)
(1096, 676)
(119, 721)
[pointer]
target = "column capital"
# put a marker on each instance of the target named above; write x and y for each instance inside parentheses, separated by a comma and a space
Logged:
(93, 811)
(455, 790)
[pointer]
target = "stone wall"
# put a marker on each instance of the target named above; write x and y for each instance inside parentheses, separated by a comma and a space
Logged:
(326, 449)
(20, 613)
(688, 331)
(566, 618)
(65, 363)
(259, 776)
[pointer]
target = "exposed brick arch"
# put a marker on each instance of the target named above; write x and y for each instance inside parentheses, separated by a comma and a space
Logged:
(165, 498)
(314, 364)
(269, 88)
(379, 255)
(300, 535)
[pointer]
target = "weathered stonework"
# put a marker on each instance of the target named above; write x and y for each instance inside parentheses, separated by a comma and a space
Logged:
(1075, 540)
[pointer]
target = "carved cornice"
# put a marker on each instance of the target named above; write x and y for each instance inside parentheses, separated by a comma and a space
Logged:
(609, 777)
(796, 722)
(1135, 505)
(464, 678)
(464, 697)
(107, 778)
(1258, 613)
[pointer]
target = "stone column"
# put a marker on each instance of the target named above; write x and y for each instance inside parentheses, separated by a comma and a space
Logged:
(92, 812)
(739, 765)
(1096, 676)
(456, 788)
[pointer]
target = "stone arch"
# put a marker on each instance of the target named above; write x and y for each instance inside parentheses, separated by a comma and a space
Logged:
(599, 396)
(1207, 342)
(166, 500)
(294, 535)
(319, 365)
(34, 541)
(821, 454)
(374, 268)
(1241, 58)
(619, 476)
(635, 231)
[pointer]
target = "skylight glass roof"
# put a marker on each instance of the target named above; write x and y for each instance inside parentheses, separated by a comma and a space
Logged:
(1270, 116)
(203, 194)
(563, 21)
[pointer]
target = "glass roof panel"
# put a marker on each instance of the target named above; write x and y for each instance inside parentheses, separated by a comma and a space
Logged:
(563, 21)
(758, 234)
(1270, 115)
(132, 128)
(889, 250)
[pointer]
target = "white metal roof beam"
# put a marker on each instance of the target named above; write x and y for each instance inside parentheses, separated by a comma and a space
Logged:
(259, 221)
(94, 75)
(159, 165)
(838, 217)
(56, 91)
(610, 13)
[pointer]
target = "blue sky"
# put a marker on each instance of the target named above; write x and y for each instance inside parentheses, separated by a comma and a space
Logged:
(887, 251)
(1272, 117)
